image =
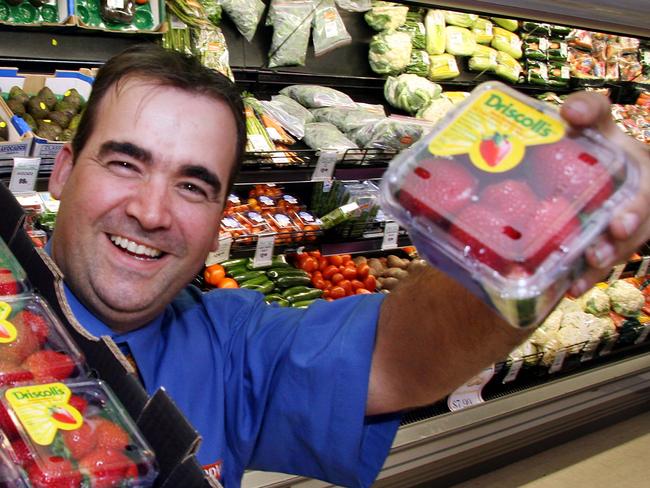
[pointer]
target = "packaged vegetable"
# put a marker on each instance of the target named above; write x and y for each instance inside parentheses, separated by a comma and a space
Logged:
(355, 5)
(558, 50)
(537, 73)
(443, 67)
(410, 92)
(535, 48)
(560, 30)
(213, 51)
(289, 113)
(291, 28)
(559, 74)
(325, 136)
(459, 19)
(393, 132)
(13, 280)
(419, 64)
(347, 119)
(507, 42)
(508, 24)
(315, 96)
(386, 15)
(484, 58)
(117, 12)
(536, 29)
(436, 109)
(245, 14)
(459, 41)
(434, 25)
(414, 27)
(390, 52)
(483, 30)
(508, 67)
(329, 29)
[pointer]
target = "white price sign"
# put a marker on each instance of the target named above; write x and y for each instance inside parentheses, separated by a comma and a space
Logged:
(515, 367)
(221, 254)
(558, 361)
(324, 169)
(391, 231)
(643, 335)
(469, 394)
(264, 251)
(616, 273)
(23, 175)
(643, 267)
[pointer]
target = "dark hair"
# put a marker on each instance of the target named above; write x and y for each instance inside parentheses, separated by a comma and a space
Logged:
(167, 68)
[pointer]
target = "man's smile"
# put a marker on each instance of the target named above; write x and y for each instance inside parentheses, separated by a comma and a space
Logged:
(137, 250)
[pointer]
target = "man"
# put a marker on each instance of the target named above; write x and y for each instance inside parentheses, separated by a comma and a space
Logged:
(310, 392)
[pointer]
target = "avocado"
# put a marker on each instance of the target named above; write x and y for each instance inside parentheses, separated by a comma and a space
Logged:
(37, 108)
(30, 121)
(48, 130)
(14, 3)
(4, 131)
(17, 93)
(74, 123)
(16, 106)
(59, 118)
(66, 108)
(66, 135)
(73, 98)
(110, 13)
(48, 97)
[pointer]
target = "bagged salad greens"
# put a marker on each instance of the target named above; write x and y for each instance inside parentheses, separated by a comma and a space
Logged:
(213, 51)
(390, 52)
(386, 15)
(419, 64)
(443, 67)
(415, 28)
(410, 92)
(434, 25)
(436, 110)
(325, 136)
(329, 31)
(290, 114)
(355, 5)
(291, 22)
(482, 29)
(459, 19)
(459, 41)
(315, 96)
(348, 119)
(393, 132)
(245, 14)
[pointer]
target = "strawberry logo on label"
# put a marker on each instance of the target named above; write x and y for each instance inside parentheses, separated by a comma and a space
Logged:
(8, 332)
(62, 415)
(495, 149)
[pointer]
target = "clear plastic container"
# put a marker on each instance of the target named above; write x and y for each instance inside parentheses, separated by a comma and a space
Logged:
(505, 197)
(13, 280)
(74, 434)
(33, 344)
(11, 476)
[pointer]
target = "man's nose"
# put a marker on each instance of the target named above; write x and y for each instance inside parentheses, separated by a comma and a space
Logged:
(151, 205)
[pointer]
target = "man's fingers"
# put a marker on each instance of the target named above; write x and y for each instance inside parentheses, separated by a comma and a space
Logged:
(585, 109)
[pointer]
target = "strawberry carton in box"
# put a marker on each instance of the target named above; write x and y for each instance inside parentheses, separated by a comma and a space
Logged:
(33, 345)
(74, 434)
(13, 280)
(505, 197)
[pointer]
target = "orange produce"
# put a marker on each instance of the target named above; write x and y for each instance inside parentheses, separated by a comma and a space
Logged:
(227, 283)
(213, 274)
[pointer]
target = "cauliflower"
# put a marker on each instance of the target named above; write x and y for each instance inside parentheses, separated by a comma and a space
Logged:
(595, 301)
(386, 16)
(547, 331)
(526, 351)
(410, 92)
(575, 330)
(626, 299)
(569, 305)
(390, 52)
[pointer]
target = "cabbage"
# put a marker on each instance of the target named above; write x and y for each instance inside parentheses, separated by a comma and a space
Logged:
(390, 52)
(459, 41)
(410, 92)
(483, 30)
(508, 67)
(443, 67)
(434, 25)
(509, 24)
(484, 58)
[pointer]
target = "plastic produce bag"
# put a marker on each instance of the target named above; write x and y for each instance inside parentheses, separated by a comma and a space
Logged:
(459, 41)
(508, 24)
(291, 22)
(386, 15)
(436, 110)
(391, 133)
(434, 26)
(325, 136)
(315, 96)
(212, 11)
(290, 114)
(508, 67)
(410, 92)
(329, 29)
(415, 28)
(347, 119)
(211, 45)
(459, 19)
(535, 47)
(483, 59)
(507, 42)
(245, 14)
(483, 30)
(390, 52)
(355, 5)
(443, 67)
(419, 64)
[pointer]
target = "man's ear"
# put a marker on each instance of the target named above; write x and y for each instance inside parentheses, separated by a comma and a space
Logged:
(63, 165)
(215, 242)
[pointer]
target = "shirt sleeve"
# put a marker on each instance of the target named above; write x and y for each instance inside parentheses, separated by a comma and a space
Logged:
(297, 385)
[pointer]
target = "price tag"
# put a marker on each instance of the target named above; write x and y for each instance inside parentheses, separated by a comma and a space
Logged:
(608, 347)
(391, 231)
(469, 394)
(590, 349)
(643, 335)
(324, 169)
(515, 367)
(616, 273)
(264, 251)
(643, 267)
(23, 176)
(558, 361)
(221, 254)
(176, 23)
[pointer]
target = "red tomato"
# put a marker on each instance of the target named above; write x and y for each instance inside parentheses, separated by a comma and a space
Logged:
(315, 254)
(349, 273)
(370, 283)
(336, 277)
(329, 271)
(323, 263)
(362, 291)
(347, 286)
(336, 260)
(356, 284)
(317, 274)
(328, 284)
(326, 293)
(346, 258)
(318, 283)
(337, 292)
(310, 264)
(363, 270)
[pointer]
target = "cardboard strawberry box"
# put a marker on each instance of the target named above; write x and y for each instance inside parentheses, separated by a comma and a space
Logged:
(74, 434)
(504, 197)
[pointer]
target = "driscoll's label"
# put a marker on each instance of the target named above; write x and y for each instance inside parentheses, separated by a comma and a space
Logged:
(8, 332)
(494, 131)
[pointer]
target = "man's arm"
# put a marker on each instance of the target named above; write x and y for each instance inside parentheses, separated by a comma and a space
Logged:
(433, 334)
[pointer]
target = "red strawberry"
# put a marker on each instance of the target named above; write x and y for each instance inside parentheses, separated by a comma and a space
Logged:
(110, 435)
(493, 150)
(437, 188)
(567, 169)
(552, 226)
(11, 373)
(8, 284)
(36, 323)
(79, 403)
(26, 343)
(487, 237)
(512, 199)
(54, 472)
(80, 441)
(106, 468)
(48, 364)
(23, 454)
(7, 424)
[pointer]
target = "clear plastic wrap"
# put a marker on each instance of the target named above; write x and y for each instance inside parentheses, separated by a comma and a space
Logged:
(291, 22)
(459, 41)
(434, 25)
(395, 133)
(290, 114)
(246, 15)
(329, 30)
(211, 45)
(315, 96)
(325, 136)
(386, 15)
(355, 5)
(410, 92)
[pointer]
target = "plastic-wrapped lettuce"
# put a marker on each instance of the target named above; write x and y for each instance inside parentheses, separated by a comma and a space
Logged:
(291, 22)
(386, 15)
(459, 19)
(484, 58)
(508, 24)
(507, 42)
(419, 64)
(290, 114)
(410, 92)
(314, 96)
(459, 41)
(443, 67)
(415, 28)
(323, 135)
(329, 29)
(434, 25)
(436, 110)
(483, 30)
(355, 5)
(508, 67)
(391, 133)
(245, 14)
(390, 52)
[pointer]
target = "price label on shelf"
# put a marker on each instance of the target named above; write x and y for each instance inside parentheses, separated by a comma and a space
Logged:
(23, 174)
(325, 166)
(590, 349)
(221, 254)
(607, 349)
(616, 273)
(643, 335)
(513, 372)
(391, 231)
(263, 251)
(643, 267)
(469, 394)
(558, 362)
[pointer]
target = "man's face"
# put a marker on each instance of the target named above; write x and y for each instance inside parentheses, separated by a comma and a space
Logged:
(141, 205)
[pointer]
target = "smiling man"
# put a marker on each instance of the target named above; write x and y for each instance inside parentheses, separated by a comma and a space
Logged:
(311, 392)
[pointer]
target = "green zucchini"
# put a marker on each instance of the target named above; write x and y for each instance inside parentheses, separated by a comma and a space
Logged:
(276, 298)
(312, 294)
(264, 288)
(275, 273)
(279, 261)
(303, 303)
(289, 281)
(296, 289)
(246, 275)
(257, 280)
(234, 263)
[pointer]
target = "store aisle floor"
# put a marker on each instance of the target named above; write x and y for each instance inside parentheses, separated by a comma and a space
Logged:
(614, 457)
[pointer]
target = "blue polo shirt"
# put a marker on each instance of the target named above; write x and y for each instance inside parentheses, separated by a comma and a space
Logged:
(268, 388)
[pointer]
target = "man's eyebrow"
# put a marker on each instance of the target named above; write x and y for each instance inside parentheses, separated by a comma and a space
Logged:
(204, 174)
(127, 148)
